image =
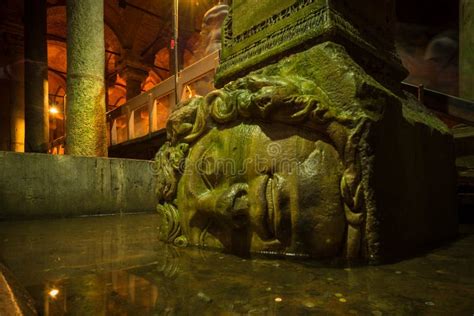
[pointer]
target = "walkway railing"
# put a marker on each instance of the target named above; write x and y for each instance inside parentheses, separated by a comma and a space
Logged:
(148, 112)
(146, 115)
(56, 147)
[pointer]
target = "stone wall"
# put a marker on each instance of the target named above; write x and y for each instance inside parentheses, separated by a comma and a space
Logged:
(39, 185)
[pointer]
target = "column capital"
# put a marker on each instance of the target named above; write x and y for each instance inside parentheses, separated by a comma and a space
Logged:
(129, 72)
(134, 71)
(132, 67)
(13, 37)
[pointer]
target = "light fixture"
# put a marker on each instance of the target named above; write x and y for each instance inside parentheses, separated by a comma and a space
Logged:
(53, 110)
(53, 293)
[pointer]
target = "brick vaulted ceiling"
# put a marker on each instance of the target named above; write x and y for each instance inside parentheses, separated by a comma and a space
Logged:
(141, 29)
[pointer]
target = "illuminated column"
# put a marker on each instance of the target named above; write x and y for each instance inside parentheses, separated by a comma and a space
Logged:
(466, 57)
(86, 125)
(36, 77)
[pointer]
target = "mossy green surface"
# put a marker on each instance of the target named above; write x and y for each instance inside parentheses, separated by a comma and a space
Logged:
(86, 125)
(318, 108)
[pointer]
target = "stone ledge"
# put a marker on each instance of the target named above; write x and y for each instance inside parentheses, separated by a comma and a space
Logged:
(14, 300)
(40, 185)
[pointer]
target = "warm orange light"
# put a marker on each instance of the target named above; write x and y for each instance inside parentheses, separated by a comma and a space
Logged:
(53, 293)
(53, 110)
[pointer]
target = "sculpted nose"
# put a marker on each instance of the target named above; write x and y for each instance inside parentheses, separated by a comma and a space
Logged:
(234, 203)
(240, 199)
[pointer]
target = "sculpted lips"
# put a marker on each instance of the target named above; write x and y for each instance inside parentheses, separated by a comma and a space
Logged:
(270, 199)
(278, 218)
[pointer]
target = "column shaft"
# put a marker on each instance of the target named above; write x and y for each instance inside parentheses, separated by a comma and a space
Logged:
(466, 51)
(4, 116)
(86, 124)
(17, 112)
(134, 78)
(36, 77)
(134, 88)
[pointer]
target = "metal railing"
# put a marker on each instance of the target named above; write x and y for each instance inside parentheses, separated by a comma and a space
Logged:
(148, 112)
(448, 106)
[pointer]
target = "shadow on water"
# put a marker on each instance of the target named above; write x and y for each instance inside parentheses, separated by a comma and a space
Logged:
(115, 265)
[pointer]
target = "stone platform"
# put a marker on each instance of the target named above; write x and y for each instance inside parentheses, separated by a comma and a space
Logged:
(39, 186)
(351, 166)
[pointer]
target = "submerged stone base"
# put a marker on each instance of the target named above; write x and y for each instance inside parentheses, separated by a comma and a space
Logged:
(312, 155)
(40, 185)
(413, 181)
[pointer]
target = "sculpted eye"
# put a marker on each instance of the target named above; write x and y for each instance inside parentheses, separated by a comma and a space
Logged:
(209, 172)
(207, 181)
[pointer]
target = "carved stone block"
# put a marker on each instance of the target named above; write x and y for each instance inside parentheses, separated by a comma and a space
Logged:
(257, 33)
(310, 155)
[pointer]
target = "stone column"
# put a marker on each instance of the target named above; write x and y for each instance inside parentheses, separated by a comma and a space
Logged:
(12, 77)
(466, 50)
(134, 71)
(17, 109)
(36, 78)
(134, 78)
(86, 125)
(4, 116)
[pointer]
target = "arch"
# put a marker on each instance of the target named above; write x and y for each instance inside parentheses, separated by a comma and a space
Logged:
(152, 80)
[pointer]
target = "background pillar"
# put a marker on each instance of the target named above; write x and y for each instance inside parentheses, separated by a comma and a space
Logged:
(466, 51)
(134, 71)
(86, 124)
(134, 78)
(5, 138)
(36, 78)
(17, 109)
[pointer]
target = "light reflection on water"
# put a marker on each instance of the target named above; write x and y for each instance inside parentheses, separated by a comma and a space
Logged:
(115, 266)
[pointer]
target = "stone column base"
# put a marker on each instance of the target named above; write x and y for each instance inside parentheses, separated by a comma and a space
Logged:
(308, 156)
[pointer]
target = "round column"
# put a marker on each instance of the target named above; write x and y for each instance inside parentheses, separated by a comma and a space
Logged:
(17, 105)
(466, 50)
(86, 125)
(134, 78)
(36, 78)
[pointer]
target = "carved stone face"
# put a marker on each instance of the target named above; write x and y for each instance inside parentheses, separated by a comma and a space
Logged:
(266, 187)
(211, 29)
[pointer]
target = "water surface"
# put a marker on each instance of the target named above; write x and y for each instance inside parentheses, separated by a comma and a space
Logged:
(115, 265)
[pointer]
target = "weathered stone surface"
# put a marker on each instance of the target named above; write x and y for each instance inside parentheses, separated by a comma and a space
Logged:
(251, 167)
(39, 186)
(86, 126)
(349, 168)
(253, 38)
